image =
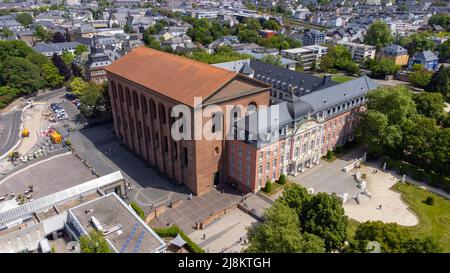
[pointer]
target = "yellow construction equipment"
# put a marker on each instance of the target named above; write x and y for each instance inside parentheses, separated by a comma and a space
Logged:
(55, 137)
(25, 133)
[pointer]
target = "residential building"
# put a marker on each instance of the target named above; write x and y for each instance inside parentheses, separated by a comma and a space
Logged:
(307, 56)
(313, 37)
(395, 52)
(360, 52)
(48, 49)
(426, 58)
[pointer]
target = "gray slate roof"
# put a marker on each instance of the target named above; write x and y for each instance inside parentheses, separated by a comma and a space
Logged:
(335, 94)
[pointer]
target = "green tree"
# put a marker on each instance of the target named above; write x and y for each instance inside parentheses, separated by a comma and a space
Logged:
(272, 24)
(392, 239)
(14, 49)
(80, 49)
(440, 19)
(51, 76)
(395, 102)
(338, 57)
(295, 197)
(389, 236)
(68, 57)
(382, 67)
(7, 95)
(77, 86)
(95, 242)
(248, 36)
(440, 82)
(6, 33)
(324, 216)
(444, 50)
(416, 42)
(430, 105)
(272, 59)
(25, 19)
(21, 74)
(279, 233)
(42, 34)
(378, 34)
(420, 77)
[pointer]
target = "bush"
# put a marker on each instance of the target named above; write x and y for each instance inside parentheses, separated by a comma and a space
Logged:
(268, 187)
(68, 142)
(429, 201)
(330, 154)
(173, 231)
(138, 210)
(282, 179)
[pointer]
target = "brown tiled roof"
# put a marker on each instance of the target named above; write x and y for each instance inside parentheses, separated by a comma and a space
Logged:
(173, 76)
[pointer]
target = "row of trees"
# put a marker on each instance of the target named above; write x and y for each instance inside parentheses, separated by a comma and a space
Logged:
(407, 127)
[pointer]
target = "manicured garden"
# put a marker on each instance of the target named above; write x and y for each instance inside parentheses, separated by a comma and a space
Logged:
(434, 220)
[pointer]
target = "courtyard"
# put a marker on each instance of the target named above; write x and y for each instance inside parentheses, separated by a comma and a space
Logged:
(392, 210)
(226, 234)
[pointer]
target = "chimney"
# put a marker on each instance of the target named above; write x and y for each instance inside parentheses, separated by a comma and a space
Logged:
(326, 79)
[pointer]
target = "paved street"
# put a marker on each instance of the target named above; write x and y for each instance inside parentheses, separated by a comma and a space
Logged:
(102, 151)
(9, 130)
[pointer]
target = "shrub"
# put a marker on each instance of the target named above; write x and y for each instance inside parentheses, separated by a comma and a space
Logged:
(330, 154)
(429, 201)
(68, 142)
(418, 175)
(138, 210)
(268, 187)
(173, 231)
(282, 179)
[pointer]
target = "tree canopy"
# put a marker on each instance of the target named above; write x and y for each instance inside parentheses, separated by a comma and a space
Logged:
(392, 239)
(94, 243)
(25, 19)
(280, 233)
(378, 34)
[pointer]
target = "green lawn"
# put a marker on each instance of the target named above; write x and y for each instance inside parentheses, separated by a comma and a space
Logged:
(434, 220)
(341, 78)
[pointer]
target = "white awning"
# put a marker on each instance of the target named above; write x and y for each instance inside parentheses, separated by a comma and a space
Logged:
(178, 241)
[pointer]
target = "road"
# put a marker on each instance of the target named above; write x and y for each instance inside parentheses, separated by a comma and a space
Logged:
(10, 122)
(9, 130)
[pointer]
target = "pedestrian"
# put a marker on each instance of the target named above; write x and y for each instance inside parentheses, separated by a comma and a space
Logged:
(204, 236)
(379, 206)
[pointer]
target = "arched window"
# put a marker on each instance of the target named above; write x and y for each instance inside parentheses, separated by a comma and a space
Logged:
(152, 109)
(121, 97)
(128, 96)
(251, 107)
(144, 105)
(162, 113)
(213, 127)
(135, 100)
(113, 89)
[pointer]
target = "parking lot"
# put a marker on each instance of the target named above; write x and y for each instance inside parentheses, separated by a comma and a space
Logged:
(47, 176)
